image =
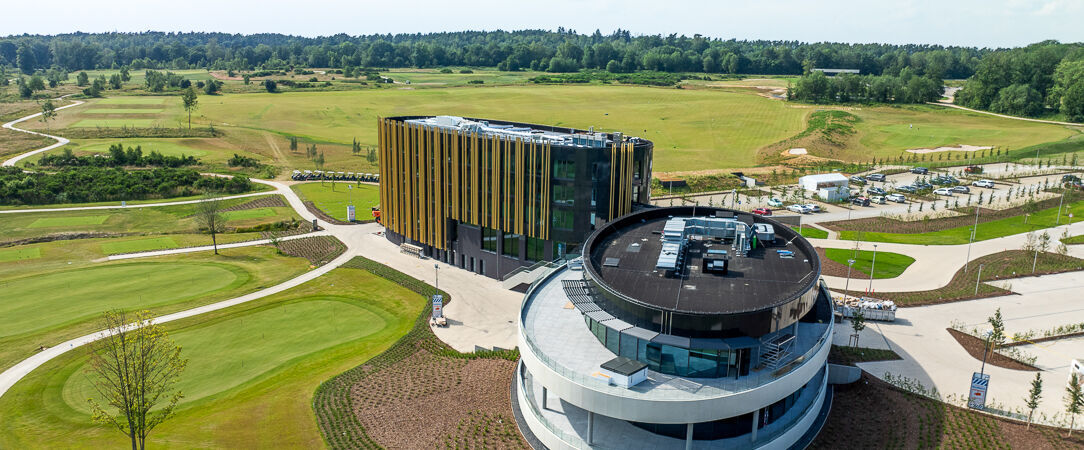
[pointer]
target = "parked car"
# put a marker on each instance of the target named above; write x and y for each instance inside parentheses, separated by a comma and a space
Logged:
(943, 191)
(920, 170)
(961, 189)
(875, 191)
(858, 180)
(983, 184)
(860, 201)
(800, 209)
(762, 212)
(878, 199)
(775, 202)
(813, 207)
(923, 186)
(1069, 178)
(907, 188)
(898, 198)
(973, 169)
(876, 177)
(945, 181)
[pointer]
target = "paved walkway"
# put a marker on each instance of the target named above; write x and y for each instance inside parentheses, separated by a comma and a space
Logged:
(59, 140)
(1052, 122)
(932, 356)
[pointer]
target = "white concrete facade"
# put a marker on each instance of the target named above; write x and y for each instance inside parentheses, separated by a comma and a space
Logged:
(605, 409)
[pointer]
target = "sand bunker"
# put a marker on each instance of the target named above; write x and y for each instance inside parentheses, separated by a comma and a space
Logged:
(958, 148)
(800, 151)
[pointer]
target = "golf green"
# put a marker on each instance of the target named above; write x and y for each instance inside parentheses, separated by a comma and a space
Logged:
(114, 123)
(226, 353)
(46, 222)
(44, 301)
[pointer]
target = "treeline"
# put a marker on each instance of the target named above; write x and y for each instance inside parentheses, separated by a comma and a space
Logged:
(649, 78)
(1042, 78)
(100, 184)
(555, 51)
(118, 157)
(848, 88)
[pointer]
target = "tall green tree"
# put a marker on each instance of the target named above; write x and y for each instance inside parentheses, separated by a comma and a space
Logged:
(48, 112)
(134, 368)
(1035, 394)
(82, 79)
(209, 217)
(191, 102)
(1074, 399)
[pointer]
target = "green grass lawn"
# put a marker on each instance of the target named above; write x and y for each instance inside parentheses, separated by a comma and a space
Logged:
(334, 203)
(132, 101)
(888, 264)
(812, 233)
(115, 123)
(19, 253)
(256, 188)
(122, 111)
(692, 129)
(208, 150)
(989, 230)
(114, 247)
(69, 221)
(59, 295)
(1074, 240)
(149, 220)
(251, 374)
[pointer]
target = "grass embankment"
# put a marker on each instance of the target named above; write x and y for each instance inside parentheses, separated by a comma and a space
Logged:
(887, 264)
(873, 414)
(989, 230)
(998, 266)
(251, 375)
(332, 198)
(150, 228)
(211, 152)
(1074, 240)
(59, 296)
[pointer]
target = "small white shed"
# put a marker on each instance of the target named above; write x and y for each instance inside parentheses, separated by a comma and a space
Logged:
(828, 186)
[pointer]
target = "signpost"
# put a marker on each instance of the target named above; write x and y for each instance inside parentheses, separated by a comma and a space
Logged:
(976, 398)
(438, 306)
(350, 213)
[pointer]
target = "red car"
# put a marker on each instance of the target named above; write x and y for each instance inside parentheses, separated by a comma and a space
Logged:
(762, 211)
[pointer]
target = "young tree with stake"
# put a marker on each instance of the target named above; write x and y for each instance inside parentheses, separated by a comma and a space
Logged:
(858, 323)
(1074, 399)
(134, 368)
(1034, 395)
(189, 97)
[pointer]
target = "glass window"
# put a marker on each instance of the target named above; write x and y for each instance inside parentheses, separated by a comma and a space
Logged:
(702, 363)
(564, 169)
(489, 240)
(562, 219)
(629, 345)
(613, 340)
(654, 356)
(536, 249)
(510, 245)
(564, 194)
(674, 361)
(600, 332)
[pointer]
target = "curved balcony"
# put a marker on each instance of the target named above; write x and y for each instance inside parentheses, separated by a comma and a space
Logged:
(561, 353)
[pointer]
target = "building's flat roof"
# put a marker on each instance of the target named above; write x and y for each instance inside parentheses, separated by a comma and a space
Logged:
(758, 281)
(514, 130)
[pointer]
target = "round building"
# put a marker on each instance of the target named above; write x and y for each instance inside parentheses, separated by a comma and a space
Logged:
(682, 327)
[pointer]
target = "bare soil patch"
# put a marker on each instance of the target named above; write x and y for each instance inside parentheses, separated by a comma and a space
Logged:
(317, 249)
(269, 201)
(976, 346)
(428, 401)
(958, 148)
(873, 414)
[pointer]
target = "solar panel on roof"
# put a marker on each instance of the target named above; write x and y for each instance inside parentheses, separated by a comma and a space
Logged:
(611, 262)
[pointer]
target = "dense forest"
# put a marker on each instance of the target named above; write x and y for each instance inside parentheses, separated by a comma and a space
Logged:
(553, 51)
(1029, 81)
(907, 87)
(98, 184)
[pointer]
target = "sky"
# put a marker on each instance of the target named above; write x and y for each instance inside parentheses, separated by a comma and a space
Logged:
(980, 23)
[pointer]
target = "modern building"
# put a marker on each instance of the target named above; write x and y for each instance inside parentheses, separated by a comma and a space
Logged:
(829, 187)
(684, 327)
(491, 196)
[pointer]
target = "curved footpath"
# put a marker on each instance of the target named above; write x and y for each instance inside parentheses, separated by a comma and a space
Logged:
(1052, 122)
(59, 140)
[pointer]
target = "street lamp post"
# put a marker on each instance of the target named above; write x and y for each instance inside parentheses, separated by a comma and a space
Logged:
(985, 349)
(872, 268)
(847, 286)
(436, 277)
(979, 277)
